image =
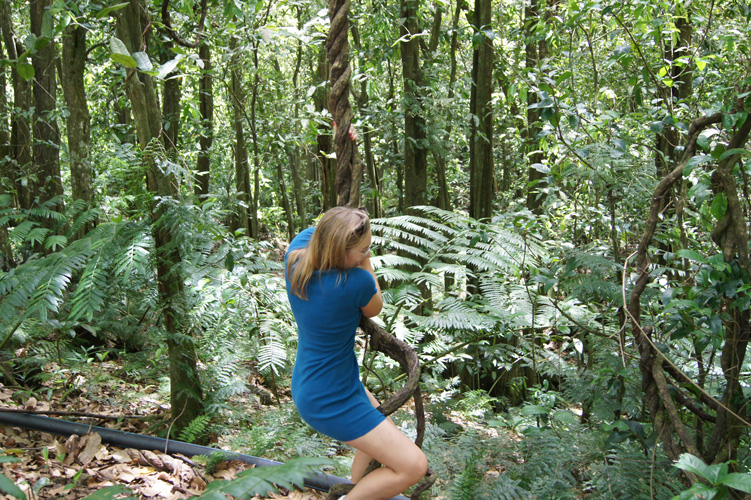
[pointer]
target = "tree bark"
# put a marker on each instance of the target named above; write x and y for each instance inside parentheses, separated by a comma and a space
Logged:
(20, 132)
(206, 106)
(171, 96)
(326, 170)
(375, 202)
(79, 123)
(415, 135)
(47, 181)
(536, 179)
(6, 256)
(242, 169)
(254, 223)
(481, 171)
(348, 164)
(186, 398)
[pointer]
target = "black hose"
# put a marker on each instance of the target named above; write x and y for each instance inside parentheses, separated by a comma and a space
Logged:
(319, 481)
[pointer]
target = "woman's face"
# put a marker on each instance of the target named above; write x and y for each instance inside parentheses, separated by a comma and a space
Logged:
(359, 252)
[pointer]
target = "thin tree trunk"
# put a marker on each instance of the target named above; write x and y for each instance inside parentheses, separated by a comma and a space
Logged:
(46, 147)
(186, 397)
(323, 139)
(171, 96)
(390, 97)
(376, 203)
(536, 179)
(206, 106)
(294, 153)
(242, 169)
(6, 256)
(415, 138)
(79, 123)
(254, 223)
(20, 132)
(481, 172)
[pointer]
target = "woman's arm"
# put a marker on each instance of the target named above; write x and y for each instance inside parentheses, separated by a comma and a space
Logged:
(376, 303)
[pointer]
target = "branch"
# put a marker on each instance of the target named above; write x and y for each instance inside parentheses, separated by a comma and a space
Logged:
(173, 34)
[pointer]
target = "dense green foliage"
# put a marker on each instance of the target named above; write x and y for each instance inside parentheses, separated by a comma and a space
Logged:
(576, 343)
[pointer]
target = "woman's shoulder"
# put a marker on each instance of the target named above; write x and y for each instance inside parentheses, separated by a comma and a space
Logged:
(301, 240)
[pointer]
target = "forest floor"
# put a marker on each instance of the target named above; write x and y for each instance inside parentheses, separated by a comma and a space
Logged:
(72, 467)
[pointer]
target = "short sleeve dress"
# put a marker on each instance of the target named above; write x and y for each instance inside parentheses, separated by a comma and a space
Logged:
(326, 387)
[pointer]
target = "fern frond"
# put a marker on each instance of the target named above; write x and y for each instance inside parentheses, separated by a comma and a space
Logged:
(90, 293)
(266, 480)
(195, 429)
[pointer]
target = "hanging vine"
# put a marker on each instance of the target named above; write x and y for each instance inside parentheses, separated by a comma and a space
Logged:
(348, 164)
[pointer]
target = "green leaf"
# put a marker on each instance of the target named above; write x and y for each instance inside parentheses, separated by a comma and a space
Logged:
(118, 47)
(7, 459)
(264, 480)
(126, 61)
(737, 481)
(168, 67)
(109, 493)
(694, 161)
(9, 487)
(105, 11)
(565, 416)
(25, 71)
(657, 127)
(55, 242)
(719, 206)
(47, 28)
(685, 253)
(120, 53)
(690, 463)
(143, 61)
(735, 151)
(533, 410)
(697, 491)
(563, 77)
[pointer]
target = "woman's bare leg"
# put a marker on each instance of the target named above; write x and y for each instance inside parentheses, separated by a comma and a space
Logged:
(361, 460)
(404, 464)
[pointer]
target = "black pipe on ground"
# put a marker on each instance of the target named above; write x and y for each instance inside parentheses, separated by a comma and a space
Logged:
(124, 439)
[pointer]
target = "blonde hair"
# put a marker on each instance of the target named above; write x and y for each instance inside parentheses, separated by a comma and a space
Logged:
(339, 230)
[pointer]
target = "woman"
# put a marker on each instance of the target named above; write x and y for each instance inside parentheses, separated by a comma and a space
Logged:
(330, 285)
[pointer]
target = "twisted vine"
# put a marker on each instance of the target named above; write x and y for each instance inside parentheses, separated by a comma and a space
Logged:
(348, 164)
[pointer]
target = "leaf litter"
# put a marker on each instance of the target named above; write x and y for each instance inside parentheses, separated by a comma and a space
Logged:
(73, 467)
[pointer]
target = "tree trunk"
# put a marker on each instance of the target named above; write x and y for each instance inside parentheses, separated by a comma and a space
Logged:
(171, 97)
(376, 203)
(536, 178)
(206, 106)
(415, 138)
(326, 166)
(390, 97)
(46, 147)
(20, 132)
(6, 257)
(186, 397)
(254, 223)
(79, 123)
(294, 153)
(242, 169)
(481, 171)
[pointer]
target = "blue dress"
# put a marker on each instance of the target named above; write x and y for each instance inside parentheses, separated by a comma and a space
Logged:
(326, 387)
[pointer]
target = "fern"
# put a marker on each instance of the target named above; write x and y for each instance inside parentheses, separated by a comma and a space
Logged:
(265, 480)
(195, 429)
